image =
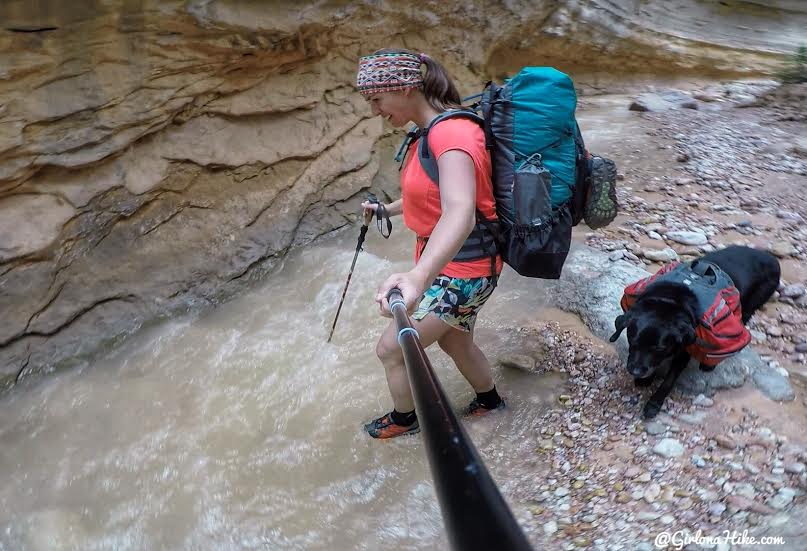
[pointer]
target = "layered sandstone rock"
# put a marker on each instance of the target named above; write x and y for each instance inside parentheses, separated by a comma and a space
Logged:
(156, 155)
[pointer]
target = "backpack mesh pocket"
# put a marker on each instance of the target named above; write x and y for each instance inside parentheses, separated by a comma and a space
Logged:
(601, 205)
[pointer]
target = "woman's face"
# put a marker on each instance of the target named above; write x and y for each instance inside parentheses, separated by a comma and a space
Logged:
(392, 106)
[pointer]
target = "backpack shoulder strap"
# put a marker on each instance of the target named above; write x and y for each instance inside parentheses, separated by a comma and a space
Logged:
(425, 156)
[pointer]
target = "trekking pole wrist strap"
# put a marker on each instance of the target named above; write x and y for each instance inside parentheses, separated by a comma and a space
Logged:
(381, 215)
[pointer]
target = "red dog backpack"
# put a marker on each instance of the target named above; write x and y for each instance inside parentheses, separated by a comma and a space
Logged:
(720, 333)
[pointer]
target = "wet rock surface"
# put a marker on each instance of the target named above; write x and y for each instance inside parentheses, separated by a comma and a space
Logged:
(727, 452)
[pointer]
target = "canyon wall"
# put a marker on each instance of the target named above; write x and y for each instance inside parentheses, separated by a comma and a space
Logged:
(156, 155)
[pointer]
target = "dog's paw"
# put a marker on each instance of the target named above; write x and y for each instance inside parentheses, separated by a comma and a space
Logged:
(707, 368)
(651, 409)
(642, 382)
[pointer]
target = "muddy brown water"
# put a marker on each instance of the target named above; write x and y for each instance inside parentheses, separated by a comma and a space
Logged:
(240, 428)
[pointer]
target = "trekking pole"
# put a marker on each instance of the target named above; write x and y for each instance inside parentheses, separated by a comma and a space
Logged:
(368, 215)
(475, 514)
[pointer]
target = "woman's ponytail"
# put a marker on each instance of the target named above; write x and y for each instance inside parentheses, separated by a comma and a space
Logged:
(440, 92)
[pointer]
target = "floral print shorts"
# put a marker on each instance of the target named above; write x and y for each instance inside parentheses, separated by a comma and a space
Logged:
(456, 301)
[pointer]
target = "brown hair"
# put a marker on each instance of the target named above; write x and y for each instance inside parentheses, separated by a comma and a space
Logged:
(440, 92)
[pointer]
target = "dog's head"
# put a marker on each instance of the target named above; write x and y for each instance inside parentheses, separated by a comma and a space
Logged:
(657, 330)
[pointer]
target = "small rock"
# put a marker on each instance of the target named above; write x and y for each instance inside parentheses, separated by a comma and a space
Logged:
(698, 461)
(794, 290)
(647, 515)
(783, 249)
(652, 492)
(703, 401)
(692, 418)
(780, 501)
(725, 441)
(655, 428)
(517, 361)
(669, 447)
(745, 490)
(632, 471)
(795, 468)
(758, 335)
(562, 491)
(793, 318)
(787, 215)
(550, 527)
(663, 255)
(717, 509)
(688, 237)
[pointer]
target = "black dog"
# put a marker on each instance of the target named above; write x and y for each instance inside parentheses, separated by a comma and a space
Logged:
(662, 321)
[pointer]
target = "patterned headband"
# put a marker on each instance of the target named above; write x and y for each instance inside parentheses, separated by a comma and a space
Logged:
(388, 72)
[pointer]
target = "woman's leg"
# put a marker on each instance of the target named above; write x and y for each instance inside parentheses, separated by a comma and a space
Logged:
(429, 329)
(470, 360)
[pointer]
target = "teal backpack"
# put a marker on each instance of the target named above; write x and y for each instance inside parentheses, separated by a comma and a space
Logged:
(541, 171)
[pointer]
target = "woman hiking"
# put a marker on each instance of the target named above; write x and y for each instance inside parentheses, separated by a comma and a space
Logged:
(443, 296)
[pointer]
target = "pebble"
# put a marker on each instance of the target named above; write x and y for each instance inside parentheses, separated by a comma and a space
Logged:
(794, 290)
(725, 441)
(655, 428)
(669, 447)
(623, 497)
(795, 468)
(647, 515)
(561, 491)
(745, 490)
(688, 237)
(652, 492)
(753, 469)
(702, 400)
(793, 318)
(692, 418)
(550, 527)
(663, 255)
(783, 249)
(698, 461)
(644, 477)
(780, 501)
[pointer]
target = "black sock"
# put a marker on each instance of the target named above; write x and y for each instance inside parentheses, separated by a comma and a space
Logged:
(403, 418)
(489, 399)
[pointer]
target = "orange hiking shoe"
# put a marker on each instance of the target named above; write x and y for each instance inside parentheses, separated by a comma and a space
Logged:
(384, 427)
(475, 409)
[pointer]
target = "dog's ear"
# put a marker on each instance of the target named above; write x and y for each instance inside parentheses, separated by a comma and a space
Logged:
(620, 323)
(688, 335)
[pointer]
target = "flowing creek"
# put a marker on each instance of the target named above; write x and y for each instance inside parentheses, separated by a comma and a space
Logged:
(240, 428)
